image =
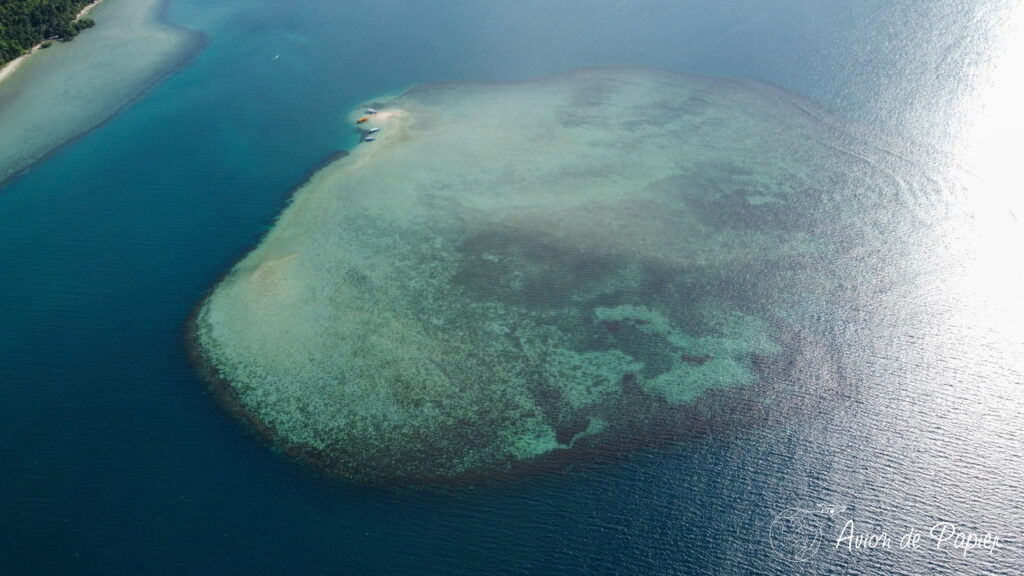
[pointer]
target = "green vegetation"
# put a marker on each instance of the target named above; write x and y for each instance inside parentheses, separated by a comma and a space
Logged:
(25, 23)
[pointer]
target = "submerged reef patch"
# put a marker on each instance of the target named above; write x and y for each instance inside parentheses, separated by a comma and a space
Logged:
(510, 273)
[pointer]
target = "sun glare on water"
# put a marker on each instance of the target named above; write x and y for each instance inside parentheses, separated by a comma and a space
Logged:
(988, 147)
(985, 280)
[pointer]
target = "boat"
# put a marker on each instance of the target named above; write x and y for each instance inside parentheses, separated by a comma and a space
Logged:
(373, 130)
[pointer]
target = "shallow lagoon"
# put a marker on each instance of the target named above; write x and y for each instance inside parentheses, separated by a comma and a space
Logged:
(59, 93)
(511, 274)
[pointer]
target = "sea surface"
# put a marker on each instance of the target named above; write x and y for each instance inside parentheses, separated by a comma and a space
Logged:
(115, 458)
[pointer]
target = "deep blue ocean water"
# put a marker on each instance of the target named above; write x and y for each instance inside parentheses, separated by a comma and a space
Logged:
(115, 458)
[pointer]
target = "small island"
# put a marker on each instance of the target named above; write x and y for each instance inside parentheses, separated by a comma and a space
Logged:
(505, 276)
(25, 24)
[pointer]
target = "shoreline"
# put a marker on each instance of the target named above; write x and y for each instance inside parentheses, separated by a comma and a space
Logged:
(10, 67)
(69, 89)
(86, 10)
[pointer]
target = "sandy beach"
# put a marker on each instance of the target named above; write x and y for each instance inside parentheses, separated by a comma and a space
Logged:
(8, 69)
(86, 10)
(13, 65)
(49, 97)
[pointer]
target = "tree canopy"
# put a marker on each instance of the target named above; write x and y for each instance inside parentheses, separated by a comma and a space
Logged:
(25, 23)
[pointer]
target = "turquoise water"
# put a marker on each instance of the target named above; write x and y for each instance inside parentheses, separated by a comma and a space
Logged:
(116, 459)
